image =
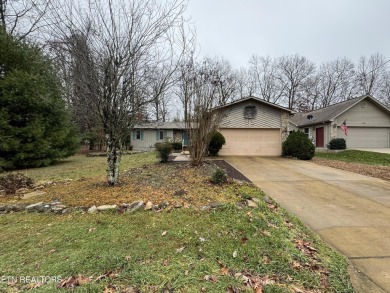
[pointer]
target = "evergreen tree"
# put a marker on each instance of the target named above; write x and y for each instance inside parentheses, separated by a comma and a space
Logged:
(35, 128)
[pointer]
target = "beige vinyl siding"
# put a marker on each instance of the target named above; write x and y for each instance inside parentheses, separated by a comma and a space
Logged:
(251, 142)
(365, 114)
(266, 117)
(149, 139)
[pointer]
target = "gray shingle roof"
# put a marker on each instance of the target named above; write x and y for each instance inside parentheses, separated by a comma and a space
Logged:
(329, 113)
(160, 125)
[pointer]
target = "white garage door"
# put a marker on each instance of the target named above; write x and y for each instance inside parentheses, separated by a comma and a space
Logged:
(360, 137)
(251, 142)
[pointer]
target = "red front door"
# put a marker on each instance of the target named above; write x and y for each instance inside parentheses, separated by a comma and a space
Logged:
(320, 137)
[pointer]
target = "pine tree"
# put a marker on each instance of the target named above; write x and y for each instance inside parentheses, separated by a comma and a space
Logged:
(35, 129)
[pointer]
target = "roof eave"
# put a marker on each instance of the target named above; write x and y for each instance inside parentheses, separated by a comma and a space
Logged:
(258, 100)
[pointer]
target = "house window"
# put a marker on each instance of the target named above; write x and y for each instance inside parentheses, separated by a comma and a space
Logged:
(138, 134)
(306, 131)
(161, 134)
(250, 112)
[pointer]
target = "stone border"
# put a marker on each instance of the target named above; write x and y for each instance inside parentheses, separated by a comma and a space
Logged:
(57, 207)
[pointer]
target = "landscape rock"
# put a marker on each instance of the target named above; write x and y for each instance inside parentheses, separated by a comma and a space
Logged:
(34, 206)
(2, 208)
(59, 206)
(251, 203)
(267, 200)
(205, 208)
(57, 209)
(92, 209)
(15, 207)
(217, 204)
(67, 211)
(136, 205)
(163, 205)
(148, 206)
(107, 207)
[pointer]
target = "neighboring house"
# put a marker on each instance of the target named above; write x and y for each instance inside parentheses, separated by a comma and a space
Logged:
(253, 127)
(144, 136)
(367, 121)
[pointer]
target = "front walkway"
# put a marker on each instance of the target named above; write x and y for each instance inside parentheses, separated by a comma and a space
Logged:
(350, 212)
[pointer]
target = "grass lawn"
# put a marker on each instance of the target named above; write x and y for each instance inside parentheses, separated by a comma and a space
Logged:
(227, 249)
(354, 156)
(81, 166)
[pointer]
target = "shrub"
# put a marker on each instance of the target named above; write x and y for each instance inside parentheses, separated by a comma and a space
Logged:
(298, 145)
(337, 144)
(164, 149)
(217, 140)
(219, 176)
(177, 145)
(12, 182)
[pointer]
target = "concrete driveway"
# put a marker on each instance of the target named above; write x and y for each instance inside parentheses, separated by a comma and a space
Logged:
(351, 212)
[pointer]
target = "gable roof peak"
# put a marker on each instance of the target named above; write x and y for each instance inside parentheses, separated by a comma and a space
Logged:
(243, 99)
(329, 113)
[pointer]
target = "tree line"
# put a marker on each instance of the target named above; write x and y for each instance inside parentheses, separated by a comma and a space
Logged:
(122, 62)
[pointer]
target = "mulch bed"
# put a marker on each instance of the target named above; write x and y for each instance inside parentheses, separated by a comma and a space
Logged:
(230, 170)
(381, 172)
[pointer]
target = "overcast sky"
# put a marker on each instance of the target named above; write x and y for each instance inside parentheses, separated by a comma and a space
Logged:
(320, 30)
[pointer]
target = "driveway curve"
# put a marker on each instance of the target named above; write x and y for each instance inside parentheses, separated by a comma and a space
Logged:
(349, 211)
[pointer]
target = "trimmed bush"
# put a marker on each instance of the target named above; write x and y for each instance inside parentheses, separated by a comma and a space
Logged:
(217, 140)
(164, 149)
(337, 144)
(12, 182)
(219, 176)
(298, 145)
(177, 145)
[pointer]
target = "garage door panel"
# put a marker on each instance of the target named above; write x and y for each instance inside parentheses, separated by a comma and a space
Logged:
(251, 142)
(366, 137)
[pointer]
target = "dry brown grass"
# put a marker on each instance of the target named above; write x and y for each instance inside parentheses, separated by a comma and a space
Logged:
(176, 183)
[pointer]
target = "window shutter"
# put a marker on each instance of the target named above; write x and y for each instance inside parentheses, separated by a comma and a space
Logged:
(142, 135)
(134, 134)
(165, 134)
(157, 135)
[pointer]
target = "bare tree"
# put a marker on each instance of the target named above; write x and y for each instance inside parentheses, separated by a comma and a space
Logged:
(224, 77)
(294, 70)
(369, 73)
(267, 77)
(384, 93)
(245, 83)
(21, 18)
(126, 42)
(335, 80)
(205, 95)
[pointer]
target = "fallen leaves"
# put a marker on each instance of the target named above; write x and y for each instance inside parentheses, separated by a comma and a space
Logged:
(210, 278)
(80, 280)
(179, 250)
(305, 247)
(381, 172)
(178, 184)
